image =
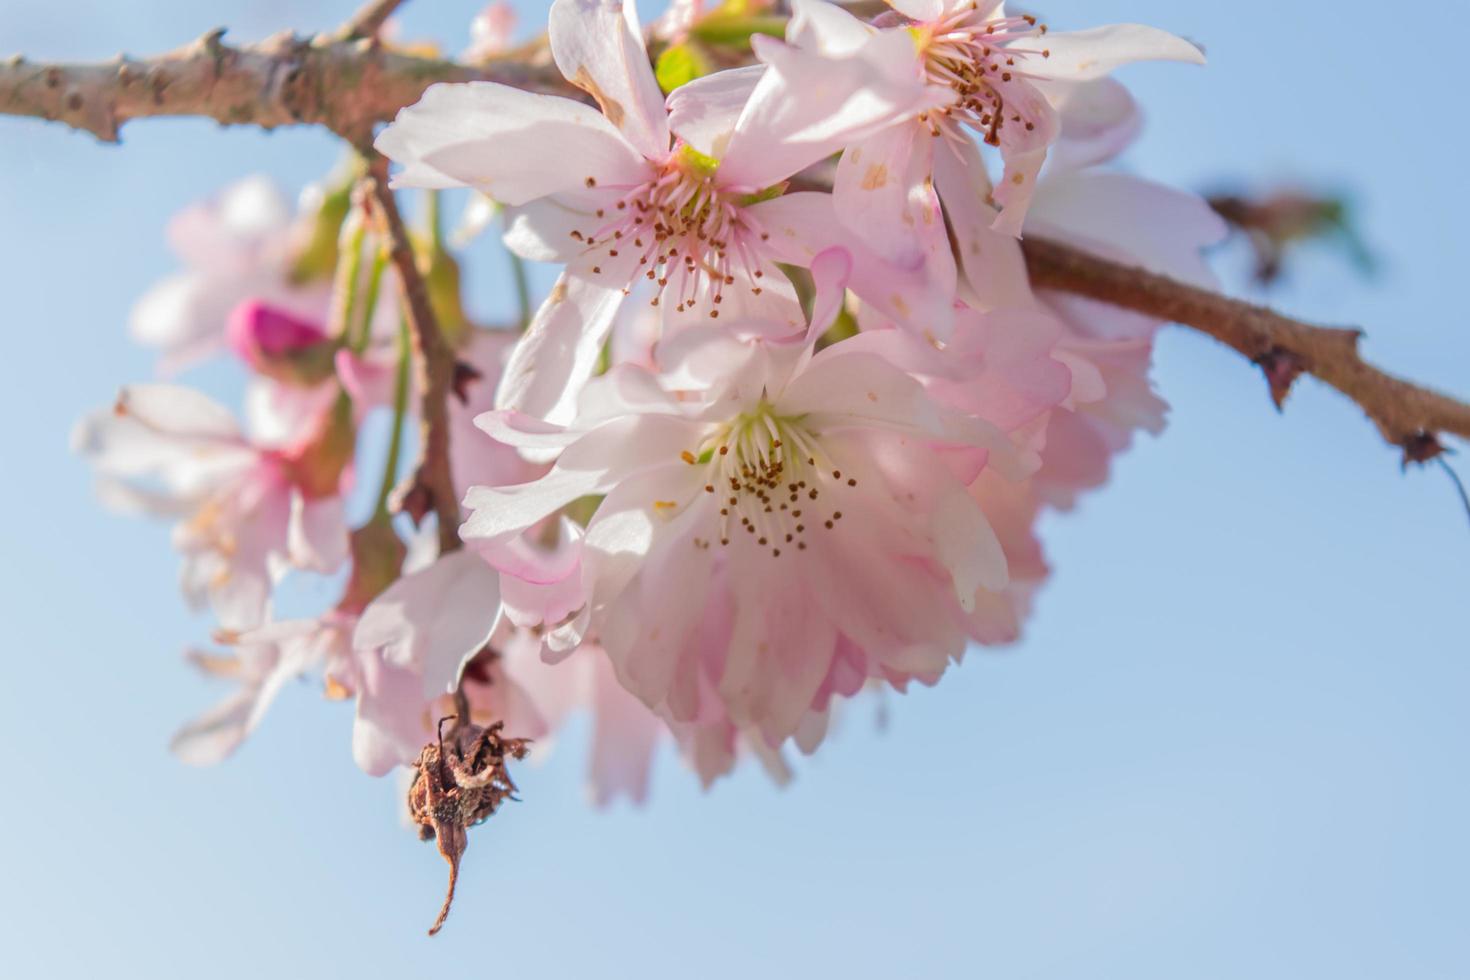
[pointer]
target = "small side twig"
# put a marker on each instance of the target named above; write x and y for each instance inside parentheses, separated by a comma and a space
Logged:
(431, 485)
(368, 20)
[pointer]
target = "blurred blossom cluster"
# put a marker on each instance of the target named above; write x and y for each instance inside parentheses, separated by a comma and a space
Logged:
(780, 433)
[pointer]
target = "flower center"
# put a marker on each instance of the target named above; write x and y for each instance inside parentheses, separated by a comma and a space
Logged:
(978, 58)
(689, 234)
(773, 479)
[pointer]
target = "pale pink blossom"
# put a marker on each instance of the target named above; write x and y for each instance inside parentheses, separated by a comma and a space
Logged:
(1009, 81)
(237, 246)
(246, 513)
(793, 526)
(265, 660)
(680, 195)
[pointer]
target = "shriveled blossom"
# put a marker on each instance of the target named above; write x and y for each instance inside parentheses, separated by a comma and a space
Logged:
(677, 195)
(777, 525)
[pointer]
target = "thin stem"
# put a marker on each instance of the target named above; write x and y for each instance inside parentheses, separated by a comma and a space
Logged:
(400, 418)
(364, 335)
(434, 219)
(432, 485)
(349, 273)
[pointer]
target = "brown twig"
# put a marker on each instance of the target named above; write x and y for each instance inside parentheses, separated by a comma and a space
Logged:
(431, 486)
(368, 20)
(1406, 414)
(346, 86)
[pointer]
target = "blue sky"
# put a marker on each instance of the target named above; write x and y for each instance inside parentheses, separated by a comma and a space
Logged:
(1232, 745)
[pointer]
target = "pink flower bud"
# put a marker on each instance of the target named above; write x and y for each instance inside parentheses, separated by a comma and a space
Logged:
(278, 344)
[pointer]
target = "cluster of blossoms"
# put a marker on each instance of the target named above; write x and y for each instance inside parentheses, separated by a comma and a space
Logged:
(781, 431)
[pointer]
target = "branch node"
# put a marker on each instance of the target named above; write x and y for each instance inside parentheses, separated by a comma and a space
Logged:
(1421, 448)
(1281, 368)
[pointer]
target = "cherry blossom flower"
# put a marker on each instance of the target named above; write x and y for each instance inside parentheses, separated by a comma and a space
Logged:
(266, 659)
(1011, 82)
(236, 247)
(619, 199)
(799, 524)
(248, 513)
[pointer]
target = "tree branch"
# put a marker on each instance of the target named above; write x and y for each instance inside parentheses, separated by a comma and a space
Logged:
(349, 86)
(1406, 414)
(431, 487)
(346, 86)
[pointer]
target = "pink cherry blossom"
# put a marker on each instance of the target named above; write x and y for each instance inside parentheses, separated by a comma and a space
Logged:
(668, 194)
(800, 520)
(1010, 82)
(266, 659)
(246, 513)
(236, 247)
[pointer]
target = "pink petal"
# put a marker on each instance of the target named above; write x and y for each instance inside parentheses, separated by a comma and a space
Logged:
(703, 112)
(884, 193)
(802, 225)
(317, 536)
(993, 264)
(1093, 53)
(598, 46)
(515, 146)
(826, 27)
(808, 106)
(1099, 210)
(1099, 119)
(435, 620)
(559, 351)
(593, 465)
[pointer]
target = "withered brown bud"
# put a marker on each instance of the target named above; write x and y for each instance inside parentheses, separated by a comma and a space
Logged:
(459, 781)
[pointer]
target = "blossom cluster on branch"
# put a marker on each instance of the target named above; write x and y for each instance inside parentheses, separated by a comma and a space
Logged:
(759, 448)
(780, 433)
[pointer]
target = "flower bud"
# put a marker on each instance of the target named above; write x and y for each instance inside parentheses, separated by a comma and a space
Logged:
(279, 345)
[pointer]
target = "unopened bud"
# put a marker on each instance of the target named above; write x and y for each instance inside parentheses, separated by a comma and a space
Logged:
(280, 345)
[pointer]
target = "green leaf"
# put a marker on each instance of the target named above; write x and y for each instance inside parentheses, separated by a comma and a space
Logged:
(680, 64)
